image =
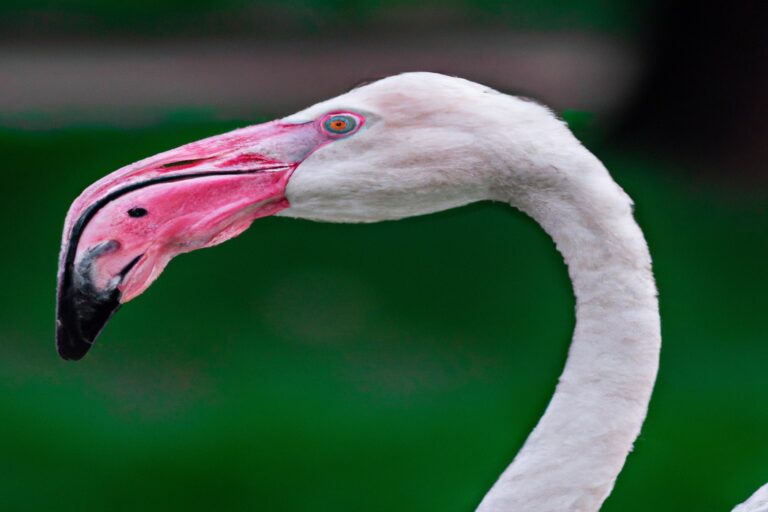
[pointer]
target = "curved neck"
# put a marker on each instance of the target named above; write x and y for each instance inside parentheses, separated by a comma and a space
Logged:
(572, 458)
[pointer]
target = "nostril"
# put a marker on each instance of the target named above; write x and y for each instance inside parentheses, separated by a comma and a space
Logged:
(137, 212)
(185, 163)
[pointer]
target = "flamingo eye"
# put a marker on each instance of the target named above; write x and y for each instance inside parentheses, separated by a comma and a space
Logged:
(340, 124)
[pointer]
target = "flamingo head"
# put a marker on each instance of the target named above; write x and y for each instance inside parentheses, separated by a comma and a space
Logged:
(401, 146)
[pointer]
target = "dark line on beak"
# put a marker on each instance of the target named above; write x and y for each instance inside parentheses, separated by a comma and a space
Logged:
(129, 266)
(65, 284)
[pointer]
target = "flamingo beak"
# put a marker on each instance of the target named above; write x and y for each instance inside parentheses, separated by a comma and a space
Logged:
(121, 232)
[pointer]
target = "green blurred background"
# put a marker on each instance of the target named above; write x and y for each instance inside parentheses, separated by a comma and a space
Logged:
(395, 366)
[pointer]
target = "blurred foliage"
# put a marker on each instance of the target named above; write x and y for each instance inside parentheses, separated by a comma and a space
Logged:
(394, 366)
(249, 17)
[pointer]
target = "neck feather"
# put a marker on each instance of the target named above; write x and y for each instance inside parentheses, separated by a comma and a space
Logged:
(572, 458)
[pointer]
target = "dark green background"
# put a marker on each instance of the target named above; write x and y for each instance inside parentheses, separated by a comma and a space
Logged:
(389, 367)
(394, 366)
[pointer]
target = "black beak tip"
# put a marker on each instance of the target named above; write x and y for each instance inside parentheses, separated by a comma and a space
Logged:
(70, 345)
(81, 316)
(82, 309)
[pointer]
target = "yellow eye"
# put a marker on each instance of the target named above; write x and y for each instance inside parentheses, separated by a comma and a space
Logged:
(340, 124)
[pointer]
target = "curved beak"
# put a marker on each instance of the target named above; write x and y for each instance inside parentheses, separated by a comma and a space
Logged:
(122, 231)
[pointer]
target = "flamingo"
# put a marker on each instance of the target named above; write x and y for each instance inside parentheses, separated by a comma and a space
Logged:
(406, 145)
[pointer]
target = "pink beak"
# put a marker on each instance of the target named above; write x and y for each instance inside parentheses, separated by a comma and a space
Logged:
(123, 230)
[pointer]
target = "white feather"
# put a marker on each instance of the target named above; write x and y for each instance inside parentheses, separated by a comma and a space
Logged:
(433, 142)
(757, 503)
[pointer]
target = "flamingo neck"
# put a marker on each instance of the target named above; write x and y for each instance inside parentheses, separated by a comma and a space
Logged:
(572, 458)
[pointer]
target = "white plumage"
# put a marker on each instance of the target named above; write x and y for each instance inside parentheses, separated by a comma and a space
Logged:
(434, 142)
(757, 503)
